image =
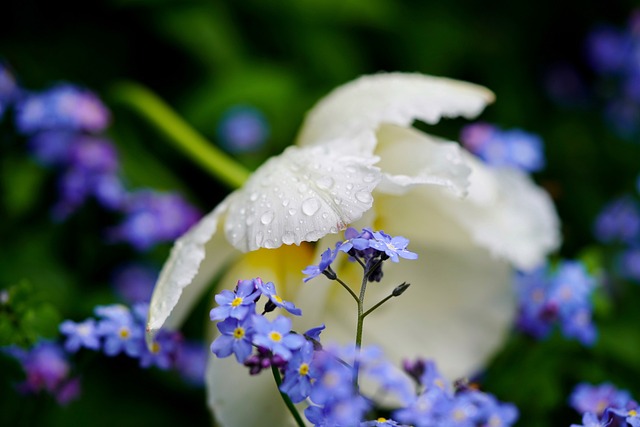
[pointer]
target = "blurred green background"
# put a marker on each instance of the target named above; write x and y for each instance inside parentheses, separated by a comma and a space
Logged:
(205, 56)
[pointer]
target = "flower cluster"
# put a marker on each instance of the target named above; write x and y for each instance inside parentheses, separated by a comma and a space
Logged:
(613, 54)
(47, 370)
(120, 330)
(618, 225)
(547, 298)
(352, 385)
(604, 405)
(513, 148)
(65, 126)
(369, 248)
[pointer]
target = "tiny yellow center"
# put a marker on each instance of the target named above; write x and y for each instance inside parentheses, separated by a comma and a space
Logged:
(236, 302)
(155, 348)
(124, 333)
(277, 298)
(303, 369)
(275, 336)
(381, 420)
(633, 413)
(238, 333)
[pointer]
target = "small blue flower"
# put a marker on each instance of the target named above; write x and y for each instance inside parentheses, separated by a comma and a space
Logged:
(236, 338)
(120, 331)
(297, 380)
(239, 304)
(83, 334)
(631, 416)
(393, 247)
(243, 129)
(63, 107)
(276, 336)
(163, 351)
(332, 380)
(597, 398)
(269, 290)
(619, 221)
(591, 420)
(327, 258)
(381, 422)
(425, 410)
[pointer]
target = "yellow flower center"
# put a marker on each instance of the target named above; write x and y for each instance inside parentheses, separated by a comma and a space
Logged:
(275, 336)
(238, 332)
(303, 369)
(124, 333)
(633, 413)
(236, 302)
(277, 298)
(381, 420)
(155, 348)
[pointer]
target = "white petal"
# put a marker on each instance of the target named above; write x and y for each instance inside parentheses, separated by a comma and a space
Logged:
(185, 276)
(238, 399)
(358, 108)
(301, 195)
(409, 157)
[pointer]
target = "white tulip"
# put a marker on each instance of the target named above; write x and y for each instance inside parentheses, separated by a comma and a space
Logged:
(358, 161)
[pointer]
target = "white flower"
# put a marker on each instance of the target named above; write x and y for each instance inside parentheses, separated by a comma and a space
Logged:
(358, 160)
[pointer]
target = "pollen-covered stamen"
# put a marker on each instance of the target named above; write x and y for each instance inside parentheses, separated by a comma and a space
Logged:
(238, 333)
(275, 336)
(124, 333)
(236, 301)
(303, 369)
(277, 298)
(155, 348)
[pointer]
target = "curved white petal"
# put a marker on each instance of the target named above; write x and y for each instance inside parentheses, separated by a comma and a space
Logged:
(238, 399)
(356, 109)
(185, 276)
(301, 195)
(409, 157)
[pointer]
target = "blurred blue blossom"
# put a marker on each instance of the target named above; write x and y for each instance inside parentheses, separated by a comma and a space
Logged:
(562, 297)
(152, 218)
(62, 107)
(243, 129)
(597, 398)
(47, 369)
(9, 90)
(504, 148)
(134, 282)
(619, 221)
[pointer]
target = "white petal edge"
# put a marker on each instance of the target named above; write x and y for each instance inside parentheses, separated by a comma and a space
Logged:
(194, 260)
(409, 158)
(301, 195)
(358, 108)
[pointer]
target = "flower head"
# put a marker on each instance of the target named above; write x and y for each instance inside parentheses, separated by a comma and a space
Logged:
(238, 304)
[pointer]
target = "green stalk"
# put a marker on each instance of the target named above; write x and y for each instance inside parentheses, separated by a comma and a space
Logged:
(287, 401)
(160, 115)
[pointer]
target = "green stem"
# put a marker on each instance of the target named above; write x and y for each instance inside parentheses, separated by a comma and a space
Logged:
(287, 401)
(387, 298)
(359, 327)
(180, 133)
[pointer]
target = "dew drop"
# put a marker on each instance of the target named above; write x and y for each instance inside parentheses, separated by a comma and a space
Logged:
(325, 182)
(350, 169)
(250, 219)
(325, 215)
(288, 238)
(267, 217)
(259, 238)
(349, 186)
(369, 177)
(285, 202)
(364, 196)
(291, 211)
(310, 206)
(253, 197)
(302, 187)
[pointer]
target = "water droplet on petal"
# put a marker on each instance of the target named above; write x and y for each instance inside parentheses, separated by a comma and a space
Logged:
(259, 238)
(285, 202)
(325, 182)
(291, 211)
(325, 215)
(253, 197)
(369, 177)
(310, 206)
(288, 238)
(267, 217)
(364, 196)
(349, 186)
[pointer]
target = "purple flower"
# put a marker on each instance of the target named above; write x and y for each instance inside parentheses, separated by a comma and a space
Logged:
(191, 362)
(269, 290)
(276, 336)
(347, 411)
(380, 422)
(591, 420)
(608, 49)
(243, 129)
(63, 107)
(83, 334)
(238, 304)
(52, 148)
(597, 398)
(236, 338)
(425, 410)
(47, 369)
